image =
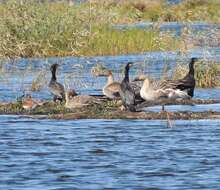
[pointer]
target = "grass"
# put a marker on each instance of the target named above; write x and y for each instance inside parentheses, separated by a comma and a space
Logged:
(193, 10)
(30, 29)
(110, 41)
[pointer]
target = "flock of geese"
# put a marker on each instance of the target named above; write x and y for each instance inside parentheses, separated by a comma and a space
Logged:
(131, 93)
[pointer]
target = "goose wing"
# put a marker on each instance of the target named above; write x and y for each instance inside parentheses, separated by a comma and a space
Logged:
(127, 94)
(56, 89)
(112, 90)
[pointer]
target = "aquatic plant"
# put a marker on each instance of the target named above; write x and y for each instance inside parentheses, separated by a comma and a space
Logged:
(39, 82)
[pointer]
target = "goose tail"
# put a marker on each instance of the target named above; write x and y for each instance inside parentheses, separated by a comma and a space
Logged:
(176, 94)
(131, 108)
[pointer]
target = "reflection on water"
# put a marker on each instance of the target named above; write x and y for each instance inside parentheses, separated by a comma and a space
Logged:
(111, 154)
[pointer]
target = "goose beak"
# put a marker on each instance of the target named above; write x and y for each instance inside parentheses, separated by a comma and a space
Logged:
(130, 64)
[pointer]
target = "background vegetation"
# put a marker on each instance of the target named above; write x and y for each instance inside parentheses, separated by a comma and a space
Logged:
(32, 29)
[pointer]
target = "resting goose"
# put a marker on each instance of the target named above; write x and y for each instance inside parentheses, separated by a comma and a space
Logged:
(151, 92)
(186, 84)
(77, 101)
(55, 87)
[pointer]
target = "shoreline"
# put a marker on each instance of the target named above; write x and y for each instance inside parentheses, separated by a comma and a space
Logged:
(110, 110)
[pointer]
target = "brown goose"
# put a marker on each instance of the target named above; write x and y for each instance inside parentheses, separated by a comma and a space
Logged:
(111, 89)
(77, 101)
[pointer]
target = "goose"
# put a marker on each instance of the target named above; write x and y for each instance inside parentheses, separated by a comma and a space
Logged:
(55, 87)
(78, 101)
(111, 89)
(150, 91)
(126, 92)
(136, 84)
(186, 84)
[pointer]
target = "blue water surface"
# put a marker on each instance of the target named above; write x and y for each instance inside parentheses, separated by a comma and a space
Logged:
(108, 154)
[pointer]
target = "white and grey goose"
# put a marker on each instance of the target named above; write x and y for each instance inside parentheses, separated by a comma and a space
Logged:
(152, 91)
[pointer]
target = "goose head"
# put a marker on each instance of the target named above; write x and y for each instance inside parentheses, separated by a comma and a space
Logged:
(129, 65)
(53, 67)
(191, 65)
(194, 59)
(140, 78)
(69, 94)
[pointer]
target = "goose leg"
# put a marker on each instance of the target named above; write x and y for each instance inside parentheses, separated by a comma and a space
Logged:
(163, 108)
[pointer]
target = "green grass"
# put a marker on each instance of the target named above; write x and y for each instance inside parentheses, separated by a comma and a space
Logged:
(109, 41)
(30, 29)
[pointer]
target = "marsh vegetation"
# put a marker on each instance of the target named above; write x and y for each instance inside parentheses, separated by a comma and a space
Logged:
(31, 29)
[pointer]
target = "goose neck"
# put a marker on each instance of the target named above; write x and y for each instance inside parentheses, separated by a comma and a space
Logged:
(126, 74)
(191, 68)
(53, 74)
(110, 79)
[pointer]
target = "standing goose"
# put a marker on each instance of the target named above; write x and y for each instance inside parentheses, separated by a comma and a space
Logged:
(188, 82)
(55, 87)
(127, 93)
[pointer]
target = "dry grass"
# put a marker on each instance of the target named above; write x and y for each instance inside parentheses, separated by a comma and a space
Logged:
(39, 82)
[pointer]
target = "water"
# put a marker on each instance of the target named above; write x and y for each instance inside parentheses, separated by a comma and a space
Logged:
(176, 27)
(108, 154)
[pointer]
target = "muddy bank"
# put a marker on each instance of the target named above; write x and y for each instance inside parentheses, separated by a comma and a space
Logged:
(136, 115)
(109, 110)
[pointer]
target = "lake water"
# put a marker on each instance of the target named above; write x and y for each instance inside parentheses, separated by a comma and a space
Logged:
(106, 154)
